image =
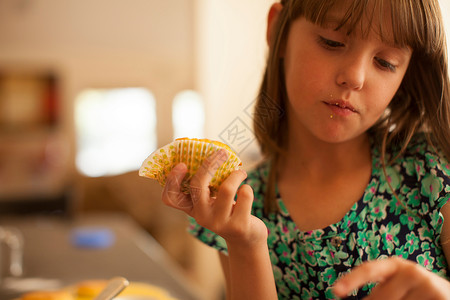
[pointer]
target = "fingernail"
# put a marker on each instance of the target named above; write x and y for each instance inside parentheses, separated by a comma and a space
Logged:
(222, 155)
(242, 172)
(179, 167)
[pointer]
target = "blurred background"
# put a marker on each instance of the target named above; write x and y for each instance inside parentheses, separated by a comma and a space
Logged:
(88, 89)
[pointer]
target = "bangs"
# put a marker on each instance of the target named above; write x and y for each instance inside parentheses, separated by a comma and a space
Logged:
(402, 23)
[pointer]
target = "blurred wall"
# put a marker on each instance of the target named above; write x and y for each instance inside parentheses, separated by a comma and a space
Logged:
(213, 46)
(102, 44)
(216, 47)
(230, 56)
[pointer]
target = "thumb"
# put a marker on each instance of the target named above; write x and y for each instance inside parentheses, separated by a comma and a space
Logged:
(172, 195)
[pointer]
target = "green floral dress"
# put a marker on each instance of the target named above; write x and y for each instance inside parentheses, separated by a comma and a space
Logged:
(306, 264)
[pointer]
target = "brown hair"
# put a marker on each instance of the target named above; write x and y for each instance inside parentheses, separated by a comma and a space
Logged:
(421, 104)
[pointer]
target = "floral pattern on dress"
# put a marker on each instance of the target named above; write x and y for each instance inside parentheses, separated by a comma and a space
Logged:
(306, 264)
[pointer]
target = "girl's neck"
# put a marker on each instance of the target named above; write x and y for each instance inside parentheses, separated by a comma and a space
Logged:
(318, 159)
(314, 172)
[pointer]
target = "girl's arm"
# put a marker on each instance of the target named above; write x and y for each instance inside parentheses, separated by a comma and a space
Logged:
(249, 266)
(399, 278)
(226, 271)
(445, 234)
(241, 276)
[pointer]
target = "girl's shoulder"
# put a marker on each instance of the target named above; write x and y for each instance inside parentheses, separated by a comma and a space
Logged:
(430, 155)
(421, 158)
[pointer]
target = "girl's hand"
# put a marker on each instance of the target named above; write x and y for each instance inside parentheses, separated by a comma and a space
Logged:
(248, 267)
(220, 214)
(397, 279)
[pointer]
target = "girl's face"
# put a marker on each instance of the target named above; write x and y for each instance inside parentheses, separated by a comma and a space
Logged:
(339, 84)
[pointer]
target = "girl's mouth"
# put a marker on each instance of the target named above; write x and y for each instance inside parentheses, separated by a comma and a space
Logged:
(341, 108)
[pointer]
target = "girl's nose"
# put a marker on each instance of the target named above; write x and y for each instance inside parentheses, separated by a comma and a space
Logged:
(351, 74)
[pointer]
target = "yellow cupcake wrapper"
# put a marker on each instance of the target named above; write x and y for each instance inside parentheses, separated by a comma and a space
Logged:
(191, 152)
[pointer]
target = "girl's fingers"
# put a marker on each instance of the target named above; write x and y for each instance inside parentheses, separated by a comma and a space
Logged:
(172, 195)
(424, 294)
(396, 287)
(199, 184)
(244, 201)
(223, 205)
(372, 271)
(398, 279)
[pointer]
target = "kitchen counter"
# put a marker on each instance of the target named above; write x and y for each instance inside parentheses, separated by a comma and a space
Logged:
(52, 258)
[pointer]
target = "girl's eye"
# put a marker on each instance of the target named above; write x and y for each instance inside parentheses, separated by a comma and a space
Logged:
(385, 64)
(330, 44)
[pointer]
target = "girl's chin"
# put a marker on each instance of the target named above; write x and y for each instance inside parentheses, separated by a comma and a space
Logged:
(339, 136)
(328, 131)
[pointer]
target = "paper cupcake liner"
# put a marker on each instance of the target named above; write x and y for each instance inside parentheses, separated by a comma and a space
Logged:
(191, 152)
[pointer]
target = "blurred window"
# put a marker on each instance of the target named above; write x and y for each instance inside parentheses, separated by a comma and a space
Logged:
(115, 130)
(188, 115)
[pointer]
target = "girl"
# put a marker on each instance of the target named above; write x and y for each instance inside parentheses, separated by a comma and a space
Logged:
(350, 199)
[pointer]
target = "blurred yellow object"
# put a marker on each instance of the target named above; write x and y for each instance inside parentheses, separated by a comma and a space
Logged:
(48, 295)
(89, 289)
(145, 291)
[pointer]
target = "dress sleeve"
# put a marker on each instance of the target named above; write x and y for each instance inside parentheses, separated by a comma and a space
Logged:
(207, 237)
(434, 186)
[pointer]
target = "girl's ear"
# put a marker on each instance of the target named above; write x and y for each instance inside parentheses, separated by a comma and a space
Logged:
(272, 19)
